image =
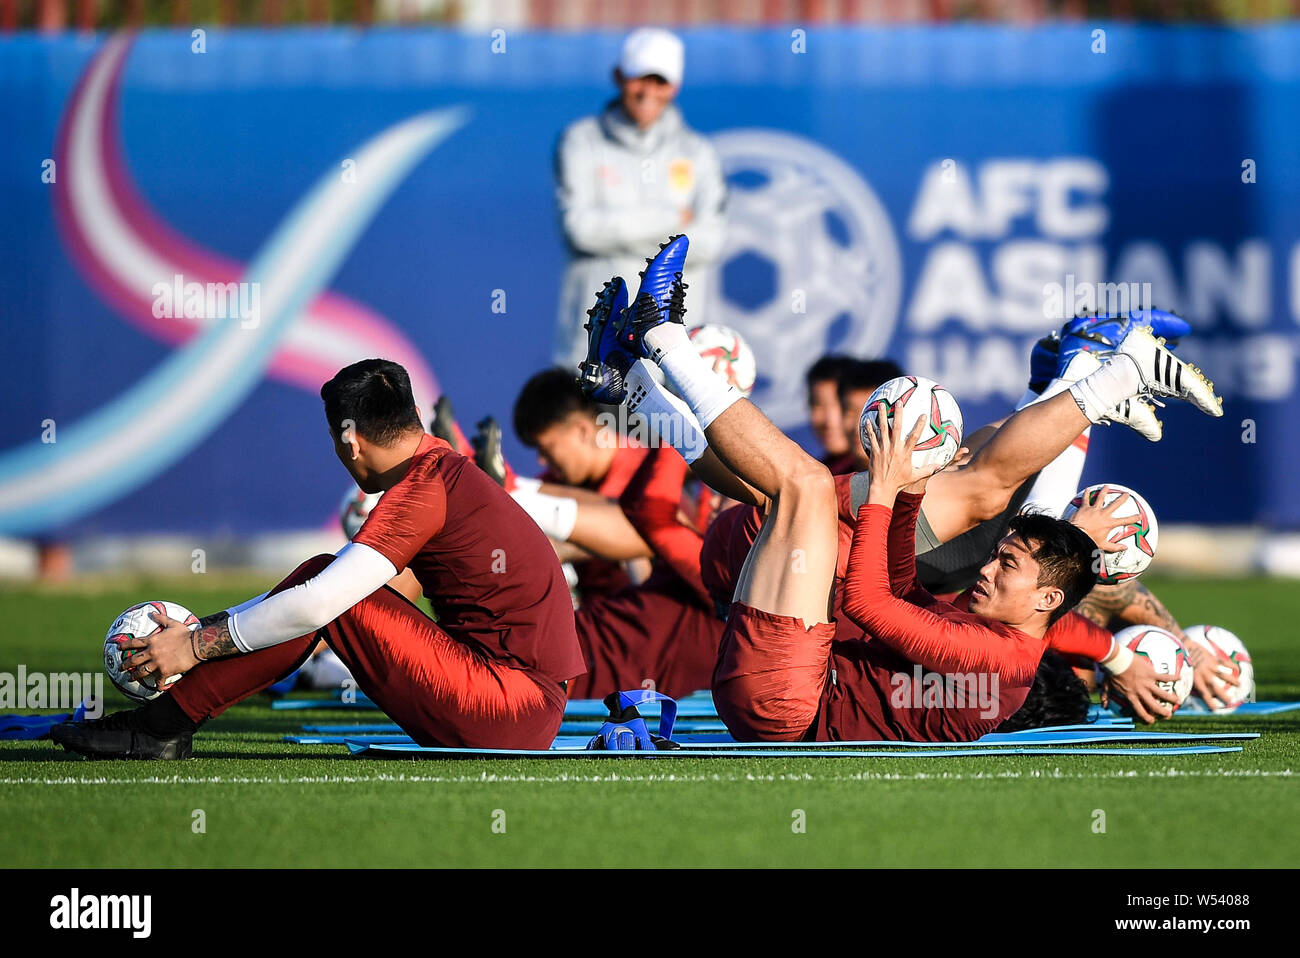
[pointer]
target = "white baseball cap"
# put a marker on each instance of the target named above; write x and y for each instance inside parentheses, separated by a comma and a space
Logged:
(651, 50)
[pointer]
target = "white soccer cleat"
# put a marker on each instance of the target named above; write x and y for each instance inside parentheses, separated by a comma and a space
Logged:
(1140, 416)
(1164, 374)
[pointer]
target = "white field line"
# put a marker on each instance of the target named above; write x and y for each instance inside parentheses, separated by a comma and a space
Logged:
(491, 778)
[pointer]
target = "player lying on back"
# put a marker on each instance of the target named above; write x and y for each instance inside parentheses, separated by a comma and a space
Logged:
(489, 673)
(729, 539)
(774, 666)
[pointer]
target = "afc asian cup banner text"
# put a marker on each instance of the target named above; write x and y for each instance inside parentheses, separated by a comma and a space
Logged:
(201, 227)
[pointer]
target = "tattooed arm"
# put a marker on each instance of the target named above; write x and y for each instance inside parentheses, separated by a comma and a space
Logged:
(1127, 603)
(1105, 602)
(211, 640)
(1131, 603)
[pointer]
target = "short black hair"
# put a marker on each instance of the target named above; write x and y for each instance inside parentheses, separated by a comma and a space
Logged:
(1064, 553)
(548, 398)
(828, 368)
(865, 375)
(374, 396)
(1057, 697)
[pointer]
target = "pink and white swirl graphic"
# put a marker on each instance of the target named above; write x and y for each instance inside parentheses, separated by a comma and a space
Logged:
(303, 335)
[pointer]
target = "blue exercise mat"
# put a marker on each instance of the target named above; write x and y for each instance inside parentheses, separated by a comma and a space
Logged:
(1246, 708)
(1060, 736)
(334, 703)
(403, 751)
(30, 728)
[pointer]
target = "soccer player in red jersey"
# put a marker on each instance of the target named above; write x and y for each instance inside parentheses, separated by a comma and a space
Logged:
(585, 461)
(662, 633)
(490, 673)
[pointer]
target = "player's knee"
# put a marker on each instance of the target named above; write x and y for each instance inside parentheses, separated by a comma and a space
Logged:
(988, 501)
(809, 481)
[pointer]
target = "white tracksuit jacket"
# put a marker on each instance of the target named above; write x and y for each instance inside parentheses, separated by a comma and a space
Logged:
(621, 192)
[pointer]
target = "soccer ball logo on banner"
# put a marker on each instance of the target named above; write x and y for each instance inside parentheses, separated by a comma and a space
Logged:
(811, 263)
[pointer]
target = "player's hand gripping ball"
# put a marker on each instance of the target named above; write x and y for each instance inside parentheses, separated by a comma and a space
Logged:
(908, 398)
(1137, 531)
(137, 622)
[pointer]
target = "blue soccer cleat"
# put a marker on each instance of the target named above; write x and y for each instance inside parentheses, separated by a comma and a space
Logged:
(601, 374)
(1102, 334)
(661, 298)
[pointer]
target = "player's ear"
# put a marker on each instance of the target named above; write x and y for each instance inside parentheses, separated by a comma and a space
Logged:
(1050, 599)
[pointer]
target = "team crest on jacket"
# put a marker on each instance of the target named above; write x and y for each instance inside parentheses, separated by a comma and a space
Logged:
(681, 175)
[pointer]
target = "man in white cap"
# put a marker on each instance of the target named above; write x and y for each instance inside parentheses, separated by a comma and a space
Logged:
(629, 177)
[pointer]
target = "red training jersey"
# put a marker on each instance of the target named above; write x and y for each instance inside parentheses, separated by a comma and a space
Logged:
(877, 689)
(484, 564)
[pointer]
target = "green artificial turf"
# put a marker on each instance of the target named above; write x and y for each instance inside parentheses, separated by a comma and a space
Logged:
(265, 803)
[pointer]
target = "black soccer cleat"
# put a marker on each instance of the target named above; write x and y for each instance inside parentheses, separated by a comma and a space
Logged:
(444, 426)
(122, 735)
(487, 450)
(601, 374)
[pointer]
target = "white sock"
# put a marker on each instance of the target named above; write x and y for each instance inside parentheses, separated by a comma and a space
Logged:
(707, 393)
(555, 515)
(667, 419)
(1058, 481)
(1100, 392)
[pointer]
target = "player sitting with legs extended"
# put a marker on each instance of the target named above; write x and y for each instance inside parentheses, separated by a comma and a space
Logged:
(489, 673)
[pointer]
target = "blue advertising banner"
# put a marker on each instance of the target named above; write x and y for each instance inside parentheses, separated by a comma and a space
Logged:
(939, 195)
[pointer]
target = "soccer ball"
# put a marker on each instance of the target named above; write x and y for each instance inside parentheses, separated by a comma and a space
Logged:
(1233, 659)
(354, 509)
(135, 623)
(1139, 533)
(1167, 654)
(730, 355)
(908, 398)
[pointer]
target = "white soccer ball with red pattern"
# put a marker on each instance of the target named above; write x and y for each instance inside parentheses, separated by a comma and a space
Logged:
(1167, 655)
(730, 355)
(909, 398)
(355, 509)
(1138, 532)
(137, 622)
(1231, 659)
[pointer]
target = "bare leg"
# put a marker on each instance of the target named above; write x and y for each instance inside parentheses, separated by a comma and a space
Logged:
(711, 471)
(957, 500)
(791, 567)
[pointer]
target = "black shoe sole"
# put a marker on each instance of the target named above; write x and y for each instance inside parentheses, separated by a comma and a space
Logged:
(122, 745)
